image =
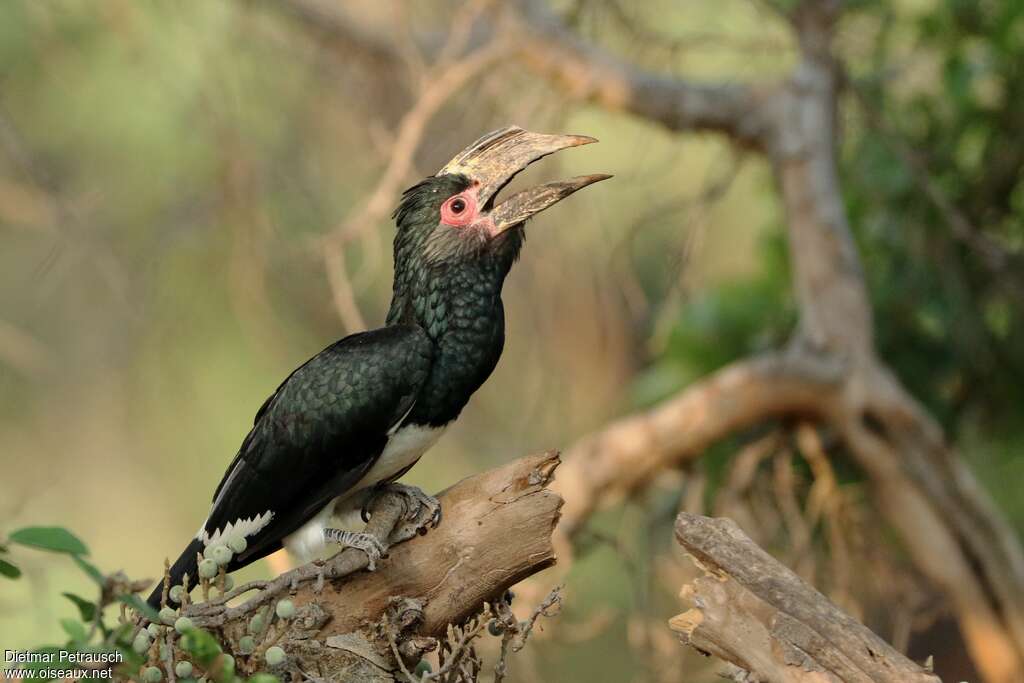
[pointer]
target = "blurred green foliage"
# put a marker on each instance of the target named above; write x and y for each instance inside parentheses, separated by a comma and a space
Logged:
(950, 322)
(131, 651)
(936, 100)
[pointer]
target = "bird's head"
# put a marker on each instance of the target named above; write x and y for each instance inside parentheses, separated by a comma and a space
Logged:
(450, 222)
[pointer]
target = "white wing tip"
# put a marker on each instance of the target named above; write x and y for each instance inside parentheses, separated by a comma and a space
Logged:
(240, 528)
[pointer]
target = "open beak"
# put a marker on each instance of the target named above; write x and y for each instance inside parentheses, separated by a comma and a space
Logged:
(497, 157)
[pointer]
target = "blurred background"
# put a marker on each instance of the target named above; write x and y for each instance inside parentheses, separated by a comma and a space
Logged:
(186, 215)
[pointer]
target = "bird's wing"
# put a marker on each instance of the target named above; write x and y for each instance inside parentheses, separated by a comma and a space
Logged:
(318, 434)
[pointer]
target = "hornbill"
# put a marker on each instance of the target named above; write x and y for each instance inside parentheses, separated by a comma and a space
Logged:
(360, 413)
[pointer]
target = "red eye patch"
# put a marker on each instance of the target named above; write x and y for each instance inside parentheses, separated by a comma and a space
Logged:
(459, 210)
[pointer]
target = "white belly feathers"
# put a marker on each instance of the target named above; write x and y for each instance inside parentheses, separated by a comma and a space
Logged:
(403, 448)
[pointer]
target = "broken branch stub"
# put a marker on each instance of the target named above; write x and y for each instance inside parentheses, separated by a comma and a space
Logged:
(755, 613)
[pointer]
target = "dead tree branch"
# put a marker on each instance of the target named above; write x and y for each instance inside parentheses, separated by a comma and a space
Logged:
(752, 611)
(626, 455)
(590, 75)
(950, 527)
(496, 531)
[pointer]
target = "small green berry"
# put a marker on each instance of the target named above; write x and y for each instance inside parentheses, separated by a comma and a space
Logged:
(227, 664)
(264, 678)
(207, 569)
(152, 674)
(285, 609)
(182, 624)
(222, 555)
(274, 655)
(422, 667)
(155, 630)
(176, 594)
(163, 650)
(494, 628)
(141, 642)
(256, 624)
(208, 551)
(183, 669)
(237, 544)
(246, 645)
(168, 615)
(229, 583)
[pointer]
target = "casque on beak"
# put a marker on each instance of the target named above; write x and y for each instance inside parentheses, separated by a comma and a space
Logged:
(496, 158)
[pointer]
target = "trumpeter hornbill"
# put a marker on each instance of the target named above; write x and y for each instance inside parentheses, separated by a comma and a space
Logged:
(361, 412)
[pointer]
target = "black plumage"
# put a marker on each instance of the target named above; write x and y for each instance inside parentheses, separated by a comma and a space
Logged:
(327, 425)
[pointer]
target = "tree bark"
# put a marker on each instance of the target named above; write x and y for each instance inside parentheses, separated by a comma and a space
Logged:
(952, 530)
(752, 611)
(496, 530)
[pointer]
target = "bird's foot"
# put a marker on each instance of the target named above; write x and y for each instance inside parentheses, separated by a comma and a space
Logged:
(422, 511)
(368, 543)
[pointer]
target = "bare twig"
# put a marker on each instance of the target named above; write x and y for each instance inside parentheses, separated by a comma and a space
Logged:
(515, 633)
(949, 525)
(441, 82)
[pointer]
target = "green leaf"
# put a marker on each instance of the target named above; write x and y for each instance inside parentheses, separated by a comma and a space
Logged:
(9, 570)
(201, 645)
(75, 630)
(121, 637)
(53, 538)
(140, 606)
(86, 609)
(90, 569)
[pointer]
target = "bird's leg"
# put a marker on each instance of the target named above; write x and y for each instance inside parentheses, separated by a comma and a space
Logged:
(422, 511)
(368, 543)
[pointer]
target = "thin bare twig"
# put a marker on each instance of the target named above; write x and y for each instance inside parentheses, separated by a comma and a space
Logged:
(441, 82)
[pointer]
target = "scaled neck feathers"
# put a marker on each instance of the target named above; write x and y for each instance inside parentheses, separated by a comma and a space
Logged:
(445, 274)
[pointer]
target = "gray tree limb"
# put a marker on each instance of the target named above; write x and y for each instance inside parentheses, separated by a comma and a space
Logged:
(496, 531)
(752, 611)
(951, 529)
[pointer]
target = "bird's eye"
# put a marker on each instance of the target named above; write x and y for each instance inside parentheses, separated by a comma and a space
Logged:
(458, 211)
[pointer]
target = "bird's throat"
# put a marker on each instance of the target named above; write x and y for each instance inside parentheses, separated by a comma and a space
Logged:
(463, 315)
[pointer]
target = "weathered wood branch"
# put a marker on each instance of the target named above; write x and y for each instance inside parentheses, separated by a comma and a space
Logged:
(952, 530)
(594, 76)
(752, 611)
(950, 527)
(495, 531)
(625, 456)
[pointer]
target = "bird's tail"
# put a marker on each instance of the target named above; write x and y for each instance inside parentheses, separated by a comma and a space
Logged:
(185, 564)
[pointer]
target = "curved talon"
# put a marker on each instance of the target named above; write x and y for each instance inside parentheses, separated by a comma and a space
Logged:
(416, 501)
